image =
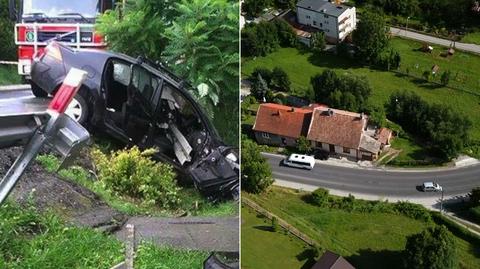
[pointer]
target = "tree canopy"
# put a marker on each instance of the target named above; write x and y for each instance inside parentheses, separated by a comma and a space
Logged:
(346, 92)
(265, 37)
(443, 129)
(256, 172)
(371, 36)
(433, 248)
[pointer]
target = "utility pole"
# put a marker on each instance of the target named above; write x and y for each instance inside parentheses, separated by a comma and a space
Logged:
(441, 203)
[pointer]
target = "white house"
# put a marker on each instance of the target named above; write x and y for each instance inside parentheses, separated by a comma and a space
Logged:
(336, 20)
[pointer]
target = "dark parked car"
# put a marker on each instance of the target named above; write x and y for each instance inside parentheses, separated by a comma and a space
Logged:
(142, 103)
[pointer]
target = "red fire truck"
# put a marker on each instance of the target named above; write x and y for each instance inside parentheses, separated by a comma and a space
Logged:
(70, 22)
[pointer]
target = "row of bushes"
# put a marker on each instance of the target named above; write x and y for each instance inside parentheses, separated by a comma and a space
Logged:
(321, 197)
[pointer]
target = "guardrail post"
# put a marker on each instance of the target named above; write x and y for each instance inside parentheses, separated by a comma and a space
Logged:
(54, 128)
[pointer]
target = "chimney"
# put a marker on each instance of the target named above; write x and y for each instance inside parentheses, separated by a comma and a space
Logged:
(362, 116)
(330, 112)
(292, 109)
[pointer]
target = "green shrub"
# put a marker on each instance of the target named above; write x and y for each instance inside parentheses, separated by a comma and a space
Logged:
(455, 229)
(131, 172)
(475, 213)
(414, 211)
(319, 197)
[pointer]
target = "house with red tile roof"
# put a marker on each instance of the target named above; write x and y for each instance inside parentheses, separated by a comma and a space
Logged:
(280, 125)
(342, 133)
(330, 260)
(338, 132)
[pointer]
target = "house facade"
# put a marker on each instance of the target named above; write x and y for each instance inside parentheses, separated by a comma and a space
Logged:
(338, 132)
(335, 20)
(280, 125)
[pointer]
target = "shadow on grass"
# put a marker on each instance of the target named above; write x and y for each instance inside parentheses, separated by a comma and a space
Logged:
(264, 228)
(307, 255)
(368, 258)
(330, 60)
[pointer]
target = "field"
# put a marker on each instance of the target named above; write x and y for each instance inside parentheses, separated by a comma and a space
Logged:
(8, 75)
(473, 38)
(267, 249)
(301, 65)
(373, 240)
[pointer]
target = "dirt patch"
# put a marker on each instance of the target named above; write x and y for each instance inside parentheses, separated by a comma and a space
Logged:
(48, 192)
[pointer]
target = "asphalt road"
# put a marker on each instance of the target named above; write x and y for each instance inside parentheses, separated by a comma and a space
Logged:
(377, 182)
(435, 40)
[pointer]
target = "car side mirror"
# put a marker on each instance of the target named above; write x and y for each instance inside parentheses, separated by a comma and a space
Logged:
(12, 9)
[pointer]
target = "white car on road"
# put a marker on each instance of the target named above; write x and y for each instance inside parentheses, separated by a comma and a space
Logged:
(431, 186)
(300, 161)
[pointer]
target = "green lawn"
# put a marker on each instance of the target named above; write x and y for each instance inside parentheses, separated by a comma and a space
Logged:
(410, 152)
(373, 240)
(472, 38)
(264, 249)
(9, 75)
(301, 66)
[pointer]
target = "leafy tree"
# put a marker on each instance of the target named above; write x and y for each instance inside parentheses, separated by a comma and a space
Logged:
(317, 41)
(286, 35)
(344, 92)
(254, 8)
(256, 172)
(265, 73)
(433, 248)
(444, 130)
(259, 88)
(303, 145)
(319, 197)
(286, 4)
(371, 36)
(445, 78)
(475, 196)
(376, 115)
(280, 80)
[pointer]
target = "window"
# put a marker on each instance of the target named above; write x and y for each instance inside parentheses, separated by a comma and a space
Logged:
(326, 16)
(319, 144)
(321, 24)
(308, 17)
(266, 135)
(144, 82)
(346, 150)
(314, 23)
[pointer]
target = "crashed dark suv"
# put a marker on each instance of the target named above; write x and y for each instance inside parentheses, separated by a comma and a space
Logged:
(142, 103)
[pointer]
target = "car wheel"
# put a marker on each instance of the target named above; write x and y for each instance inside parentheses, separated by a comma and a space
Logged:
(37, 91)
(78, 109)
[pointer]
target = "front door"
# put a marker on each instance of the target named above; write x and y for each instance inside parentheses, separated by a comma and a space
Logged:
(332, 148)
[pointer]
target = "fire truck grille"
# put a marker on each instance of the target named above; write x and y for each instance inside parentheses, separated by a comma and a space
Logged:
(85, 37)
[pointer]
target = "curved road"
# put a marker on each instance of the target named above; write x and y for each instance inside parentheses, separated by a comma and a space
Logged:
(378, 182)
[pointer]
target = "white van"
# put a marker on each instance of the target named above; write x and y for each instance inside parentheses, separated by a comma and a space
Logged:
(300, 161)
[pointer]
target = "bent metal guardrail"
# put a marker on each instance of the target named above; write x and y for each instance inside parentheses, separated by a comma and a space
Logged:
(39, 127)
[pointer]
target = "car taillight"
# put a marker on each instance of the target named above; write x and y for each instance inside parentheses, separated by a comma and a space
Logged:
(53, 50)
(67, 91)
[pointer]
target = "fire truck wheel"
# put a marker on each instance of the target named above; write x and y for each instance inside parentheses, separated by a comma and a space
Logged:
(78, 109)
(37, 91)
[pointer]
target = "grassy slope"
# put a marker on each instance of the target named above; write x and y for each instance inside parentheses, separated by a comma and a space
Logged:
(8, 75)
(301, 66)
(367, 240)
(473, 38)
(264, 249)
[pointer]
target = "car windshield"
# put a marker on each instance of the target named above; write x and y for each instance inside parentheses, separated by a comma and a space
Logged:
(55, 8)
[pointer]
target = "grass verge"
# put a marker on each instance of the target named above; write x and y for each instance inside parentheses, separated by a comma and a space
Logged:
(276, 250)
(367, 240)
(473, 38)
